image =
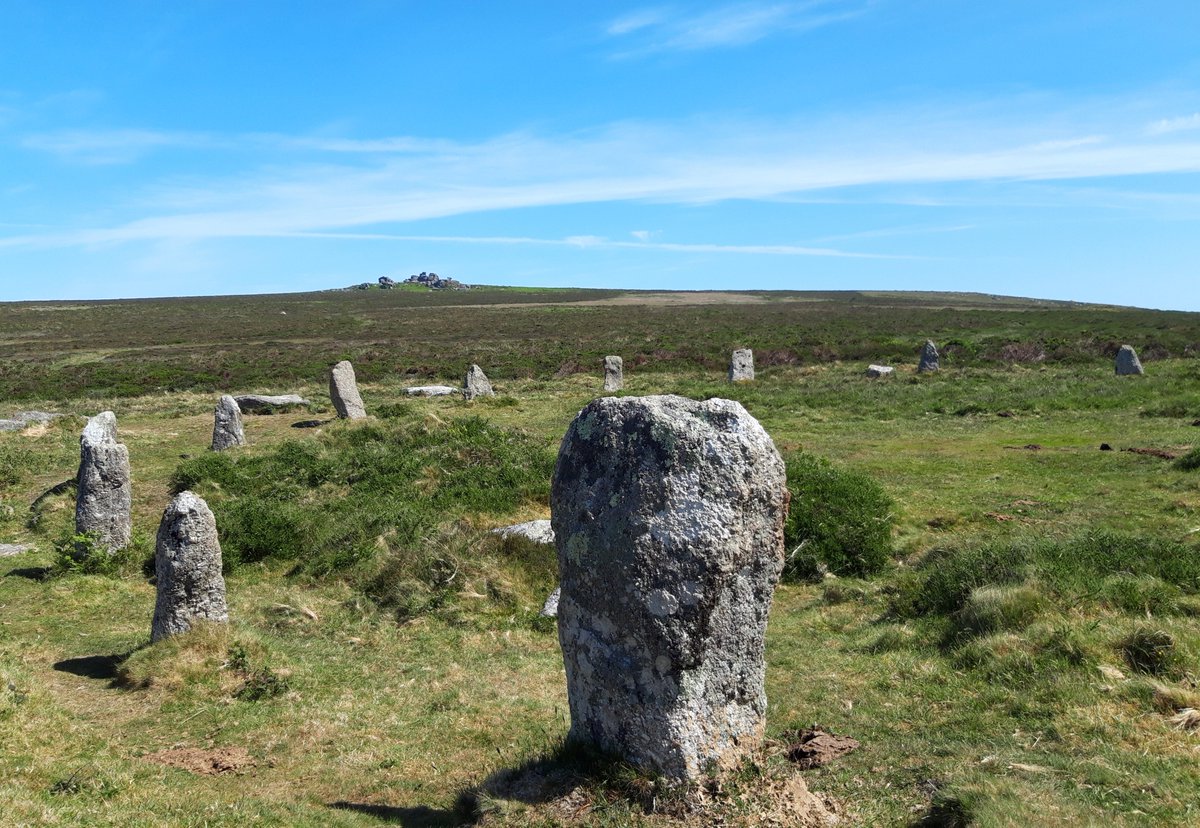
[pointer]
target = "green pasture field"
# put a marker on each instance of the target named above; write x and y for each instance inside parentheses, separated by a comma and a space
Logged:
(1027, 657)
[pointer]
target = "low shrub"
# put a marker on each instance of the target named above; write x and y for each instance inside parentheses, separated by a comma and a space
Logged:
(990, 609)
(839, 519)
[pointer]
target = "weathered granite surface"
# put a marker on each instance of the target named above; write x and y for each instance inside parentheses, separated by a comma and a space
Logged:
(668, 517)
(187, 563)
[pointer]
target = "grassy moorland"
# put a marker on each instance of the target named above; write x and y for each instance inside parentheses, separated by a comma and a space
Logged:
(1026, 656)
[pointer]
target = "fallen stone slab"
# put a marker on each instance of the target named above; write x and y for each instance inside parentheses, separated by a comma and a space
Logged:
(876, 371)
(24, 419)
(249, 403)
(7, 550)
(431, 391)
(538, 531)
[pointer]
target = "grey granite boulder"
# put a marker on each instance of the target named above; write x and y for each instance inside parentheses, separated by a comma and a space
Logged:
(929, 358)
(430, 391)
(741, 365)
(23, 419)
(1127, 362)
(187, 563)
(227, 425)
(538, 531)
(550, 608)
(476, 384)
(343, 391)
(614, 373)
(668, 518)
(249, 403)
(10, 549)
(876, 371)
(104, 496)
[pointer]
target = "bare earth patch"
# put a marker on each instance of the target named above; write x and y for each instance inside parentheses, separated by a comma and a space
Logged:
(814, 747)
(1152, 452)
(212, 762)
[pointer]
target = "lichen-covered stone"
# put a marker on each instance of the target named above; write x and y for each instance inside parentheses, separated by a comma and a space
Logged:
(877, 371)
(538, 531)
(476, 384)
(929, 358)
(430, 391)
(550, 607)
(343, 391)
(668, 518)
(227, 425)
(256, 402)
(741, 365)
(1127, 362)
(104, 494)
(187, 563)
(614, 373)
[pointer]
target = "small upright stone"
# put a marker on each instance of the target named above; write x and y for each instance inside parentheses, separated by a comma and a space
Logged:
(741, 365)
(614, 373)
(343, 391)
(668, 518)
(227, 425)
(187, 563)
(1128, 362)
(929, 358)
(476, 384)
(104, 496)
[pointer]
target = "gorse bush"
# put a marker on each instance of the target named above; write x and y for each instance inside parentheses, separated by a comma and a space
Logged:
(335, 503)
(838, 518)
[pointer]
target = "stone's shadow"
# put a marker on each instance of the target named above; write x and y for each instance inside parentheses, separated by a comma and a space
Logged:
(33, 573)
(93, 667)
(419, 816)
(311, 423)
(56, 489)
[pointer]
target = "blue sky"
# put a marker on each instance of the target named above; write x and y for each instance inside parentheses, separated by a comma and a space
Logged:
(1016, 147)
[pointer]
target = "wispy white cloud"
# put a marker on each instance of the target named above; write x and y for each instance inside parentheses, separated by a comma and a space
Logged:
(1167, 125)
(338, 185)
(739, 24)
(114, 146)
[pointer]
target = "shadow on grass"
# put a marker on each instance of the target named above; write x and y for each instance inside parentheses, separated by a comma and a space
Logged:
(311, 423)
(33, 573)
(539, 780)
(98, 667)
(418, 816)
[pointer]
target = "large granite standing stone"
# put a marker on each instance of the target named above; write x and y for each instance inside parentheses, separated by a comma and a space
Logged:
(741, 365)
(227, 425)
(476, 384)
(187, 563)
(614, 373)
(104, 495)
(668, 517)
(1128, 362)
(343, 391)
(929, 358)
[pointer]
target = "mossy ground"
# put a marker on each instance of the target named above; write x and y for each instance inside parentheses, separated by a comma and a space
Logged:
(1023, 705)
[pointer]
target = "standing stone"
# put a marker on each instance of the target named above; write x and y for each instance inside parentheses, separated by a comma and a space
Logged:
(227, 425)
(929, 358)
(476, 384)
(343, 390)
(104, 496)
(614, 373)
(1128, 362)
(741, 365)
(668, 518)
(187, 563)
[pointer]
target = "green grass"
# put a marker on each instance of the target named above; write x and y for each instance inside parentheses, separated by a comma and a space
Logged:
(1017, 659)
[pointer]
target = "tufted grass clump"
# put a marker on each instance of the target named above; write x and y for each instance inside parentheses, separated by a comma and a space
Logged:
(1150, 650)
(839, 520)
(994, 608)
(1189, 461)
